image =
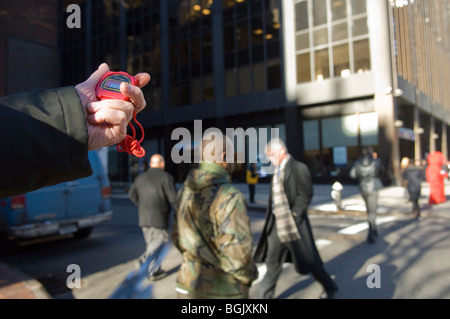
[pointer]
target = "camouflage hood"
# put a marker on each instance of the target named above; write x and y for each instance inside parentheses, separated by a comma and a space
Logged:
(207, 175)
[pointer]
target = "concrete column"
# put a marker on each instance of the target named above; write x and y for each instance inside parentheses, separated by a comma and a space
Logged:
(384, 84)
(288, 49)
(417, 142)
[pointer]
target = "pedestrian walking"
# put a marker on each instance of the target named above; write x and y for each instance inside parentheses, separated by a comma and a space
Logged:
(252, 179)
(287, 234)
(367, 171)
(212, 229)
(403, 165)
(154, 193)
(413, 176)
(435, 177)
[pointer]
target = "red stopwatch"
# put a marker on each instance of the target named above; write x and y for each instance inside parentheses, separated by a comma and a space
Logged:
(109, 88)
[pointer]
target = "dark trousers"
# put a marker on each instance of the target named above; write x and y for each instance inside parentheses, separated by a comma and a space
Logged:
(371, 200)
(251, 189)
(416, 207)
(276, 255)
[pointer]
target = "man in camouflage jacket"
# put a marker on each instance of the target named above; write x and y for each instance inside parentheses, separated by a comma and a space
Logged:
(212, 231)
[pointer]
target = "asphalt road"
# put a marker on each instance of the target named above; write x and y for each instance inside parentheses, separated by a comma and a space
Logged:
(409, 258)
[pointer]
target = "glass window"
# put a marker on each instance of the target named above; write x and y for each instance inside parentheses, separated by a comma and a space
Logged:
(358, 7)
(338, 9)
(254, 26)
(322, 64)
(360, 27)
(230, 80)
(229, 38)
(361, 53)
(174, 94)
(259, 84)
(273, 20)
(302, 41)
(311, 135)
(242, 35)
(196, 85)
(244, 80)
(301, 16)
(274, 75)
(340, 31)
(320, 36)
(208, 90)
(340, 131)
(228, 3)
(185, 94)
(341, 60)
(257, 31)
(303, 68)
(369, 128)
(319, 12)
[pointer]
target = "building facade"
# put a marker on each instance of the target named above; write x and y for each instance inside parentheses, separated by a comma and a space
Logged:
(332, 76)
(29, 49)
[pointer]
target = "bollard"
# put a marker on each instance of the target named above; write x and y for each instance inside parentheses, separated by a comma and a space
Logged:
(336, 194)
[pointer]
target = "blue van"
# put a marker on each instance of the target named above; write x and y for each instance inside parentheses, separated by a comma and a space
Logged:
(73, 207)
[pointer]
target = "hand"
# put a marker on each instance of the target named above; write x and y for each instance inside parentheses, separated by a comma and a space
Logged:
(107, 120)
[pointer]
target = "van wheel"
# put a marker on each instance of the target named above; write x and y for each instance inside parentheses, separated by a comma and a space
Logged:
(83, 233)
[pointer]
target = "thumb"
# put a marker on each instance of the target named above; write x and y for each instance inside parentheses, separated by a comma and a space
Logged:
(97, 75)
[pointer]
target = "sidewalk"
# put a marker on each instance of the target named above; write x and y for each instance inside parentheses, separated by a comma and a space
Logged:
(17, 285)
(392, 200)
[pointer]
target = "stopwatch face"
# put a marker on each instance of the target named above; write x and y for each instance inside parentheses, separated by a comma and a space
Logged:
(109, 86)
(112, 82)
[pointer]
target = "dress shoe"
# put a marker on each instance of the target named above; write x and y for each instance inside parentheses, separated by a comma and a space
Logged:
(330, 291)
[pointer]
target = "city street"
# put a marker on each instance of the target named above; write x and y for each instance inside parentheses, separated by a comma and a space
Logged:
(408, 255)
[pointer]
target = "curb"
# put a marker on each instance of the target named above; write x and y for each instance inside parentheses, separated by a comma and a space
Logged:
(15, 284)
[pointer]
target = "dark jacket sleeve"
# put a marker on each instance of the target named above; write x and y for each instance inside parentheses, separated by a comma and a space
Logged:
(44, 140)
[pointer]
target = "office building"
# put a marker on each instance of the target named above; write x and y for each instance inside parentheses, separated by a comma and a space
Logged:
(332, 75)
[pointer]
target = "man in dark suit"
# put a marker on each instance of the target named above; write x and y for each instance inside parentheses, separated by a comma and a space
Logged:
(287, 234)
(154, 193)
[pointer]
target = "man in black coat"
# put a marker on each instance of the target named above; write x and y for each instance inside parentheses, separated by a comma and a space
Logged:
(413, 176)
(367, 171)
(154, 193)
(287, 235)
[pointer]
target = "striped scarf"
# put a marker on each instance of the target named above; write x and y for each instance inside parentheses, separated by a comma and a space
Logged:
(286, 228)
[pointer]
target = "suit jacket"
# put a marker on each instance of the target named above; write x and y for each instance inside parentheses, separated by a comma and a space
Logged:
(299, 191)
(154, 193)
(44, 140)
